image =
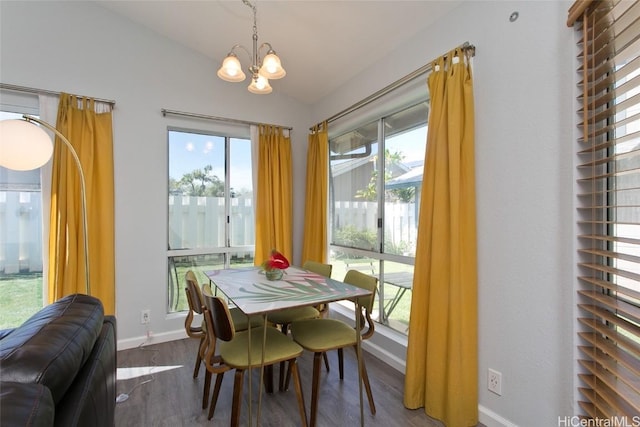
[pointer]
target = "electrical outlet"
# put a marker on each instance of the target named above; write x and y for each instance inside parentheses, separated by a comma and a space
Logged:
(145, 317)
(494, 382)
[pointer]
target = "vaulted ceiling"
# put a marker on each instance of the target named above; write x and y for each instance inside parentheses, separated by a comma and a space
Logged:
(322, 44)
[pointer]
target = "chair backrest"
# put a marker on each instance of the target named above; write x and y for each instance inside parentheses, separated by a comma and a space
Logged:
(220, 316)
(206, 290)
(194, 293)
(318, 267)
(364, 281)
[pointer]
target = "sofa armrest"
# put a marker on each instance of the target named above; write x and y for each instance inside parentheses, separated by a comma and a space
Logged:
(53, 344)
(91, 399)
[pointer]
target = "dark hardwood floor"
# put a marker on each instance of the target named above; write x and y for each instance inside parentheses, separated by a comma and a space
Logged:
(162, 392)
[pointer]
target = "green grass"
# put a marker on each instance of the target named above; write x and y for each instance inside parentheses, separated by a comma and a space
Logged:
(20, 298)
(399, 319)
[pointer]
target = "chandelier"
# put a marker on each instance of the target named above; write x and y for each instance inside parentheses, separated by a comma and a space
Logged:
(261, 70)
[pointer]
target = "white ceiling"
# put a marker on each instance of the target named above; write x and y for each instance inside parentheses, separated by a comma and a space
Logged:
(322, 44)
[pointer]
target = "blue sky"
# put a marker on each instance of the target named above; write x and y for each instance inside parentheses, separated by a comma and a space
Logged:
(190, 151)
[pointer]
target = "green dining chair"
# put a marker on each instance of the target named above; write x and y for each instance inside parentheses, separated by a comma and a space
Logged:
(234, 354)
(284, 318)
(241, 323)
(324, 334)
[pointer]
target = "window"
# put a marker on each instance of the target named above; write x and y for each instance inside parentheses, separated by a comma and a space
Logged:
(375, 181)
(210, 209)
(21, 261)
(608, 200)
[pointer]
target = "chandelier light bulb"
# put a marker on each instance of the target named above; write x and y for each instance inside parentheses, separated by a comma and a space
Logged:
(260, 85)
(272, 67)
(231, 70)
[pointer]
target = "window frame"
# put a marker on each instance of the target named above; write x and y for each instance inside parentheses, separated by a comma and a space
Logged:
(228, 132)
(379, 113)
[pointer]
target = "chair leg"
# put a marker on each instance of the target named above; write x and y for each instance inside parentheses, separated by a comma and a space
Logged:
(315, 388)
(216, 393)
(367, 386)
(341, 362)
(293, 366)
(205, 391)
(268, 379)
(287, 379)
(196, 369)
(281, 384)
(326, 361)
(237, 398)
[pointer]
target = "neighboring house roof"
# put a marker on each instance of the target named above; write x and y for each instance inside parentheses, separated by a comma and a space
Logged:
(413, 178)
(349, 165)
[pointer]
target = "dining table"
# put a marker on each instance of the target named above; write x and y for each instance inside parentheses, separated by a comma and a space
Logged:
(251, 292)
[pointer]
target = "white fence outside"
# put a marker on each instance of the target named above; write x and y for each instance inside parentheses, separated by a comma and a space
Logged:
(401, 225)
(195, 222)
(20, 232)
(199, 222)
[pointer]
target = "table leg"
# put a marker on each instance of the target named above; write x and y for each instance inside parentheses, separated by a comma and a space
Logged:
(261, 383)
(250, 373)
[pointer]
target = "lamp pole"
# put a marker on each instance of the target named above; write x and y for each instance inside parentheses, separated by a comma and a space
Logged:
(83, 193)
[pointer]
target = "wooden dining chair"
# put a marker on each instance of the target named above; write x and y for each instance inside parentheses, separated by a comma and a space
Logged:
(234, 354)
(324, 334)
(284, 318)
(195, 302)
(193, 329)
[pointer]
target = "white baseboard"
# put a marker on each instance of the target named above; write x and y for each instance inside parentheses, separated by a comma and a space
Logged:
(491, 419)
(390, 359)
(152, 339)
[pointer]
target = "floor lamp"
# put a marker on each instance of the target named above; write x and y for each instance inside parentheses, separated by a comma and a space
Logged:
(25, 146)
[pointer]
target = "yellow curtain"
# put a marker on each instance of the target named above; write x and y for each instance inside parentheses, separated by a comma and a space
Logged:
(274, 194)
(91, 135)
(315, 211)
(442, 371)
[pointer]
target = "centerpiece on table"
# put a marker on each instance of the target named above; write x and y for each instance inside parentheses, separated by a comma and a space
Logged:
(276, 264)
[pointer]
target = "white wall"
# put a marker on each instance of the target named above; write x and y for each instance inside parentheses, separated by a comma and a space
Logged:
(523, 81)
(523, 78)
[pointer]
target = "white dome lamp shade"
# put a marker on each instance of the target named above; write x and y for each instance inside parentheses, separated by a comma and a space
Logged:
(23, 145)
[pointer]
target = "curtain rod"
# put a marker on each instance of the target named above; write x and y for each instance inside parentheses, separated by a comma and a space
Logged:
(25, 89)
(220, 119)
(398, 83)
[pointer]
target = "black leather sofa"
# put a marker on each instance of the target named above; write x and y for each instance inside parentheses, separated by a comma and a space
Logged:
(59, 367)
